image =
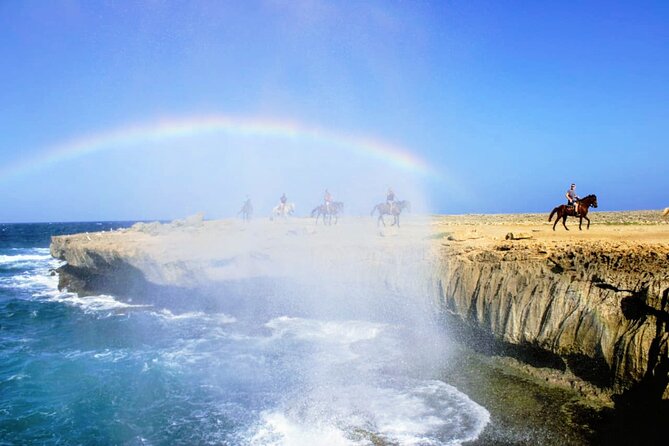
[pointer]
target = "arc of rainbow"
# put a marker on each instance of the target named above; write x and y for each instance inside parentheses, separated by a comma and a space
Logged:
(170, 129)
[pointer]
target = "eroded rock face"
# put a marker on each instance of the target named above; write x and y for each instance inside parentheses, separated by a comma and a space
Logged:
(602, 309)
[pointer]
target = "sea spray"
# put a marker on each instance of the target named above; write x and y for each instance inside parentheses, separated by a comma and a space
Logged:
(316, 333)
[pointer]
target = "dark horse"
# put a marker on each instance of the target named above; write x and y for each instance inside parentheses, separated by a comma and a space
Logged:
(395, 211)
(246, 211)
(580, 211)
(336, 207)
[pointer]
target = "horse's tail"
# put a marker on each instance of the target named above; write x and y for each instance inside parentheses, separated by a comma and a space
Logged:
(315, 210)
(550, 217)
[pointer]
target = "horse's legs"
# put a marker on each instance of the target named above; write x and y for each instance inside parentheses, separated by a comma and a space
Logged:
(564, 222)
(587, 227)
(556, 221)
(380, 220)
(580, 222)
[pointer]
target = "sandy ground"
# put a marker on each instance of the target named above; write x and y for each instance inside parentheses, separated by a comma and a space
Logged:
(628, 228)
(614, 230)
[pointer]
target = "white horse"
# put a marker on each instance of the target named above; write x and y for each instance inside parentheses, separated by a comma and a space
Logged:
(282, 211)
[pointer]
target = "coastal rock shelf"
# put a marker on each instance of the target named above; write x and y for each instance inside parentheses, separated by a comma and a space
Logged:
(595, 301)
(600, 307)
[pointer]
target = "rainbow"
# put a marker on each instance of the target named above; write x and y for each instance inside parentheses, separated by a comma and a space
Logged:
(166, 130)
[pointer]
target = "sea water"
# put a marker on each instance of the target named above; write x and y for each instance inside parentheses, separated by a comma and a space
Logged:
(106, 370)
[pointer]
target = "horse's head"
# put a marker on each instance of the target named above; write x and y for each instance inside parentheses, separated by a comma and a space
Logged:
(590, 200)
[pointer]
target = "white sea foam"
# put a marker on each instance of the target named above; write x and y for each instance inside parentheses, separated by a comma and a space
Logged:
(113, 356)
(408, 413)
(221, 318)
(16, 377)
(346, 398)
(99, 303)
(276, 429)
(35, 276)
(186, 352)
(23, 258)
(340, 332)
(30, 280)
(333, 340)
(32, 256)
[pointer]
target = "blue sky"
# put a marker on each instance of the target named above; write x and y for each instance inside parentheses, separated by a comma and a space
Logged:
(511, 101)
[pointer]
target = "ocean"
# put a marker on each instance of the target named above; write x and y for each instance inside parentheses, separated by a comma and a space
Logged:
(106, 370)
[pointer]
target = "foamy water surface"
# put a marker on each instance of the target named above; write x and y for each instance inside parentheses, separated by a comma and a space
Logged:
(101, 370)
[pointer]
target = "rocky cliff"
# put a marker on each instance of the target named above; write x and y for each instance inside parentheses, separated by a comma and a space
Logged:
(600, 307)
(595, 302)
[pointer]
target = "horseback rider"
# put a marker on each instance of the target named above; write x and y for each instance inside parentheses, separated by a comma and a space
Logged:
(572, 198)
(390, 199)
(328, 200)
(246, 209)
(282, 202)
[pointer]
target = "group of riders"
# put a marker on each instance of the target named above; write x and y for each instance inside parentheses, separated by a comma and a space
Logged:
(327, 202)
(572, 199)
(572, 207)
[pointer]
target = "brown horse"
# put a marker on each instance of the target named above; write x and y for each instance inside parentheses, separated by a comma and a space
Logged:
(395, 211)
(580, 211)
